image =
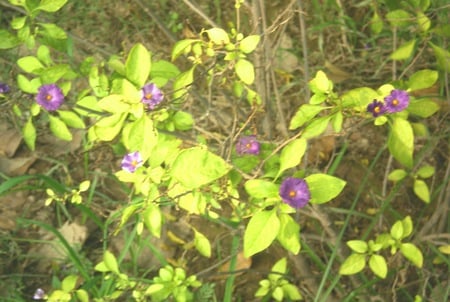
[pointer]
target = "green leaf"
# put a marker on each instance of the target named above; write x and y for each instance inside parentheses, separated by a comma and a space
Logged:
(53, 31)
(43, 54)
(51, 5)
(249, 43)
(181, 47)
(183, 120)
(278, 294)
(358, 246)
(397, 175)
(423, 108)
(399, 18)
(442, 57)
(8, 40)
(353, 264)
(69, 283)
(82, 295)
(397, 231)
(259, 188)
(182, 82)
(320, 84)
(107, 128)
(101, 267)
(153, 219)
(59, 128)
(114, 103)
(245, 71)
(291, 291)
(337, 121)
(218, 36)
(28, 86)
(407, 226)
(289, 234)
(404, 51)
(316, 128)
(412, 253)
(401, 142)
(425, 171)
(304, 114)
(98, 82)
(423, 21)
(324, 187)
(278, 270)
(197, 166)
(52, 74)
(359, 98)
(138, 65)
(261, 231)
(378, 265)
(141, 136)
(292, 154)
(422, 79)
(29, 134)
(110, 262)
(376, 24)
(71, 119)
(162, 71)
(30, 64)
(202, 244)
(421, 190)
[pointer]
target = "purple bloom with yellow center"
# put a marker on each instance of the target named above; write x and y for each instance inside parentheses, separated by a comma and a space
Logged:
(4, 88)
(397, 101)
(377, 108)
(151, 95)
(132, 161)
(50, 97)
(295, 192)
(248, 145)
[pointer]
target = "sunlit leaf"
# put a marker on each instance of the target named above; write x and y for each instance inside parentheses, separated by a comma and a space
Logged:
(261, 231)
(353, 264)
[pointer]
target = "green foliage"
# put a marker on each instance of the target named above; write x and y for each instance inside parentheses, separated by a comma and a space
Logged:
(370, 250)
(196, 178)
(276, 286)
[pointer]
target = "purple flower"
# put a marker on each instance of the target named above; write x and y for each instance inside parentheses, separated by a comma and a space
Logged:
(4, 88)
(376, 108)
(50, 97)
(131, 161)
(397, 101)
(39, 294)
(248, 145)
(151, 95)
(295, 192)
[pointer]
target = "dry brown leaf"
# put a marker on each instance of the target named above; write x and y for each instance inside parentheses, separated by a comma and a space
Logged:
(336, 74)
(10, 140)
(55, 146)
(242, 263)
(53, 251)
(16, 166)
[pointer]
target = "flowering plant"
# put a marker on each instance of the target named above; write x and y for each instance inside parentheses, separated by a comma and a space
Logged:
(254, 187)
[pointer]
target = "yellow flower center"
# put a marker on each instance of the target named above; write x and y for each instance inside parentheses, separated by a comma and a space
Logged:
(248, 145)
(134, 163)
(48, 97)
(377, 109)
(292, 193)
(395, 102)
(148, 96)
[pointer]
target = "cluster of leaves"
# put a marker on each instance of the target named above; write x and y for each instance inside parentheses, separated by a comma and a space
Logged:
(413, 22)
(362, 250)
